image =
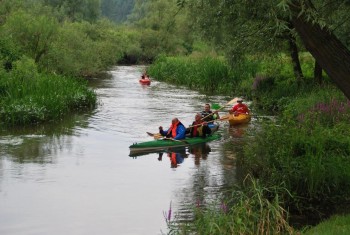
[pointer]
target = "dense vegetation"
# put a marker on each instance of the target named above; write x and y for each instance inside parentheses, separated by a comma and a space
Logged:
(290, 57)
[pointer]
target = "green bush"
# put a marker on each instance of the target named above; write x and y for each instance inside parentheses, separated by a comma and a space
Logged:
(39, 97)
(206, 74)
(312, 164)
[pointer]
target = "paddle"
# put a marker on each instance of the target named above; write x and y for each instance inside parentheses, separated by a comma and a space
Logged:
(230, 102)
(159, 136)
(221, 119)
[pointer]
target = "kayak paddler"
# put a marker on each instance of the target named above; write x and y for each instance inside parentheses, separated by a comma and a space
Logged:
(176, 131)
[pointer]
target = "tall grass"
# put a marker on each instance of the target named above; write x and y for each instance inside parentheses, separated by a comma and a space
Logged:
(312, 161)
(205, 74)
(326, 105)
(29, 97)
(339, 225)
(252, 209)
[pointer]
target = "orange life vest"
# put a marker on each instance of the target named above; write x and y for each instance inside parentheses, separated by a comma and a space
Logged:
(172, 129)
(173, 159)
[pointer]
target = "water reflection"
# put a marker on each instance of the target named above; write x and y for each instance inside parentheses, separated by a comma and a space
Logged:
(38, 144)
(237, 131)
(177, 156)
(199, 152)
(75, 176)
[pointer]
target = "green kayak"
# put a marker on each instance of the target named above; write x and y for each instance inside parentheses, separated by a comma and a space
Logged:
(167, 144)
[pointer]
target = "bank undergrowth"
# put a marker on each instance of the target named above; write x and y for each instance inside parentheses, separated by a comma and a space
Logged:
(31, 98)
(210, 75)
(299, 164)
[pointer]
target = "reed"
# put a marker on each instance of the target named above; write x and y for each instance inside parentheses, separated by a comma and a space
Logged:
(253, 209)
(338, 224)
(205, 74)
(309, 160)
(41, 98)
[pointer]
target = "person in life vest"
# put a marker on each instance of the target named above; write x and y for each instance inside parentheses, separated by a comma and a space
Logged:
(239, 108)
(208, 115)
(176, 158)
(176, 131)
(144, 75)
(199, 127)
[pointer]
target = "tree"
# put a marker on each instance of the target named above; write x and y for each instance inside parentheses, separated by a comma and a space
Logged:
(117, 10)
(77, 10)
(247, 27)
(323, 26)
(31, 32)
(161, 25)
(331, 54)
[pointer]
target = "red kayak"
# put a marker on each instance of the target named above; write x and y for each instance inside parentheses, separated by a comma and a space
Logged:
(145, 81)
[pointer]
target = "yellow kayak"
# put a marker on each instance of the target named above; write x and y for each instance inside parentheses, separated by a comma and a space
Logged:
(236, 120)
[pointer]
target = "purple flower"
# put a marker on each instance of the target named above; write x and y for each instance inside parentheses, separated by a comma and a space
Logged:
(169, 212)
(223, 207)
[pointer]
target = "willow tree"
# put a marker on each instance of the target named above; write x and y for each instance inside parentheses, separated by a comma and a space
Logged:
(162, 24)
(320, 38)
(77, 10)
(252, 26)
(247, 27)
(116, 10)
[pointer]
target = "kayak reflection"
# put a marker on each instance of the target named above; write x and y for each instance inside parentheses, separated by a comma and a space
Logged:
(199, 151)
(178, 155)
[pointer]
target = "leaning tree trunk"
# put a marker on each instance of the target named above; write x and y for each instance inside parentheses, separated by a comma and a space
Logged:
(329, 52)
(293, 48)
(318, 73)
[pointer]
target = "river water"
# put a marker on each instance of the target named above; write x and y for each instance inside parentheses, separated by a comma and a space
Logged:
(76, 176)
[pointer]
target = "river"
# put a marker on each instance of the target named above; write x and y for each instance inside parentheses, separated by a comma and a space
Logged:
(75, 176)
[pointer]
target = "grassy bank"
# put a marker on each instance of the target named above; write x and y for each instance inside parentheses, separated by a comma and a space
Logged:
(32, 97)
(205, 74)
(298, 167)
(339, 225)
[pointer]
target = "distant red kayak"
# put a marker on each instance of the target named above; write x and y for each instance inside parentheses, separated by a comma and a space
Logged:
(145, 81)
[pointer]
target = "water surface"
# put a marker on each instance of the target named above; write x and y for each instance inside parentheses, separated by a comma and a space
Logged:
(76, 176)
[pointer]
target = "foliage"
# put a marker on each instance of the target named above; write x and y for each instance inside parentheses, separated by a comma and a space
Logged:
(77, 10)
(116, 10)
(312, 164)
(28, 98)
(253, 209)
(274, 87)
(338, 224)
(325, 105)
(240, 27)
(30, 31)
(84, 49)
(206, 74)
(164, 28)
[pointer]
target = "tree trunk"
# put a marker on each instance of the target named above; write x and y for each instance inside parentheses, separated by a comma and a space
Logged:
(329, 52)
(318, 73)
(298, 73)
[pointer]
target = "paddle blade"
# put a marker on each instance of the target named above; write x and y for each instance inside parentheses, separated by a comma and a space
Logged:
(233, 101)
(155, 136)
(215, 106)
(225, 117)
(150, 134)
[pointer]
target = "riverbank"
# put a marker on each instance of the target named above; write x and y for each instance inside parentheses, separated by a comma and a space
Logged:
(297, 166)
(30, 98)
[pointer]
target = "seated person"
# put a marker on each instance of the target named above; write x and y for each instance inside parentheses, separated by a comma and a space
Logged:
(208, 115)
(176, 131)
(239, 108)
(199, 127)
